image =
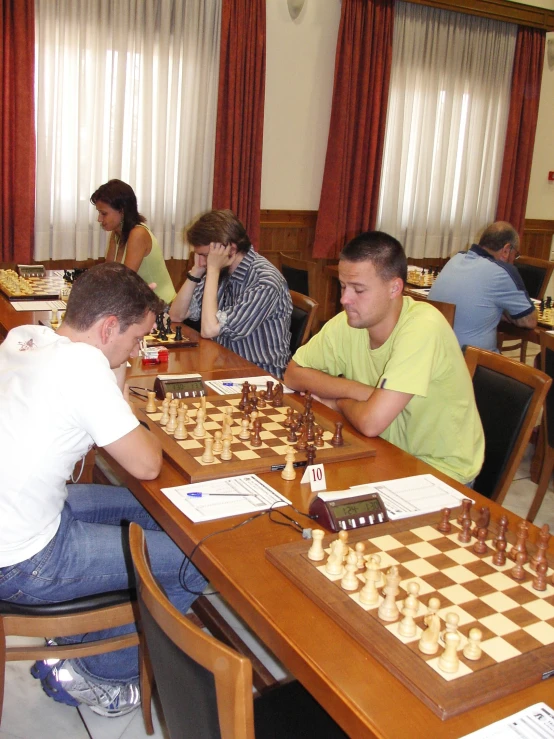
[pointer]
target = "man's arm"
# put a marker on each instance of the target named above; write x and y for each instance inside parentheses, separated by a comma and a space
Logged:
(323, 385)
(377, 413)
(219, 257)
(179, 309)
(528, 321)
(139, 452)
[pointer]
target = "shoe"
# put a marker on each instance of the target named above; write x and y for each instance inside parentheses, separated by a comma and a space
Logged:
(43, 667)
(65, 685)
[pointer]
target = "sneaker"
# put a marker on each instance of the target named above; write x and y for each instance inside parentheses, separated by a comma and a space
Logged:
(43, 667)
(65, 685)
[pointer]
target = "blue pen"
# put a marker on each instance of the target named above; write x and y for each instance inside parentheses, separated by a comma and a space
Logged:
(201, 495)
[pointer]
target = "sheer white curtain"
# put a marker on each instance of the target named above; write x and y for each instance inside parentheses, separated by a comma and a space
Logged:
(124, 89)
(446, 126)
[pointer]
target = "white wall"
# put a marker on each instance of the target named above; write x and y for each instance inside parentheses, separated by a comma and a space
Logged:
(298, 89)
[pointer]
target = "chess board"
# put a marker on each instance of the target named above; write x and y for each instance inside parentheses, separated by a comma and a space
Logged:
(517, 621)
(546, 317)
(170, 343)
(40, 288)
(416, 278)
(246, 459)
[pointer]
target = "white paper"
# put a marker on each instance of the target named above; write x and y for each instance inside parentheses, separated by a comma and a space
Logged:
(234, 386)
(412, 496)
(20, 305)
(315, 475)
(231, 496)
(535, 722)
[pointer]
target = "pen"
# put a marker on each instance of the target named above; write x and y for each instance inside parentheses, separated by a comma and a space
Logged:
(202, 495)
(277, 467)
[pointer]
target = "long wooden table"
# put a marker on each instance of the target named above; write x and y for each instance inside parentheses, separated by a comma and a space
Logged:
(361, 695)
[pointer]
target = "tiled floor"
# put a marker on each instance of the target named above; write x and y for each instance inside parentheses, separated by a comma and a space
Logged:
(30, 714)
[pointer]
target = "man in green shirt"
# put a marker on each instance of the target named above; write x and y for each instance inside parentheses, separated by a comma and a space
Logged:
(393, 366)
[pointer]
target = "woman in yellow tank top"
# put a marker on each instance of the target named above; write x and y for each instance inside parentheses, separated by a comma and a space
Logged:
(131, 241)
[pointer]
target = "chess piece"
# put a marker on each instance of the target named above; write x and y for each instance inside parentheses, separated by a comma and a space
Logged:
(483, 520)
(178, 333)
(451, 621)
(369, 595)
(288, 420)
(244, 432)
(502, 528)
(318, 434)
(291, 436)
(472, 649)
(310, 455)
(172, 423)
(517, 572)
(444, 526)
(255, 440)
(288, 472)
(360, 549)
(539, 581)
(218, 442)
(316, 552)
(480, 547)
(199, 431)
(520, 547)
(407, 627)
(464, 537)
(180, 430)
(164, 420)
(411, 600)
(151, 406)
(388, 610)
(333, 566)
(466, 510)
(343, 538)
(208, 456)
(54, 320)
(302, 443)
(244, 399)
(337, 439)
(349, 580)
(449, 661)
(226, 453)
(429, 641)
(277, 400)
(499, 557)
(542, 545)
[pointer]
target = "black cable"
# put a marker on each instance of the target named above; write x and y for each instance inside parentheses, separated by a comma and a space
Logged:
(140, 392)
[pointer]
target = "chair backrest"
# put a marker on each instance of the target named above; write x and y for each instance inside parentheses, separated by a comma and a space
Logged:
(535, 274)
(304, 311)
(205, 687)
(547, 366)
(509, 397)
(448, 310)
(300, 274)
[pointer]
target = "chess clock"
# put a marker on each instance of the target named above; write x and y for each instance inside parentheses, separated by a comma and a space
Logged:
(349, 513)
(182, 386)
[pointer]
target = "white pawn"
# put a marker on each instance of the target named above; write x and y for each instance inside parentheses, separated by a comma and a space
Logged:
(411, 600)
(369, 595)
(180, 430)
(54, 321)
(388, 610)
(208, 456)
(472, 649)
(451, 621)
(349, 580)
(172, 423)
(360, 549)
(449, 660)
(244, 432)
(164, 420)
(333, 566)
(226, 453)
(218, 444)
(316, 551)
(289, 473)
(199, 430)
(429, 641)
(151, 404)
(407, 627)
(185, 410)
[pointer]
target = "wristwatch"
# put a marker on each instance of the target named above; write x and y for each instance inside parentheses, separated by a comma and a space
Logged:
(192, 278)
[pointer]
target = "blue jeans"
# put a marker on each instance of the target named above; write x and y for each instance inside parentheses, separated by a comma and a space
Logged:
(90, 554)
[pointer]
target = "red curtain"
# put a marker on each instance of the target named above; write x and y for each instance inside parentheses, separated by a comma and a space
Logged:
(17, 118)
(240, 112)
(522, 123)
(350, 190)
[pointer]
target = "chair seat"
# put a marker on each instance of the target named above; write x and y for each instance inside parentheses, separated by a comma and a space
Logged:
(78, 605)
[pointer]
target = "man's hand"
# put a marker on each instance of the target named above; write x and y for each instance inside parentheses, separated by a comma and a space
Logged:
(199, 266)
(329, 402)
(220, 256)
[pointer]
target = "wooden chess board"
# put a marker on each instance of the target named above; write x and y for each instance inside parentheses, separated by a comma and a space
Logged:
(517, 621)
(416, 278)
(39, 288)
(169, 342)
(546, 317)
(247, 459)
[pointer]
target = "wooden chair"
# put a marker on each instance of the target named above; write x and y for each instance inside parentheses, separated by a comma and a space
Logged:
(304, 312)
(509, 397)
(301, 276)
(536, 274)
(546, 435)
(79, 616)
(448, 310)
(205, 687)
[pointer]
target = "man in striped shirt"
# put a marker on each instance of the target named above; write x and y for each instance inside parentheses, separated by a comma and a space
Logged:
(241, 299)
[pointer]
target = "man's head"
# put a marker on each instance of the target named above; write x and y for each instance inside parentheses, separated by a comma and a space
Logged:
(113, 306)
(218, 227)
(372, 273)
(501, 240)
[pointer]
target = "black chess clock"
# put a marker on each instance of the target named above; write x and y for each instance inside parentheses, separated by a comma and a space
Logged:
(344, 514)
(182, 386)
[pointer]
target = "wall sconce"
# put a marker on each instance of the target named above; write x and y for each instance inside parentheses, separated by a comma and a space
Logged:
(550, 52)
(295, 8)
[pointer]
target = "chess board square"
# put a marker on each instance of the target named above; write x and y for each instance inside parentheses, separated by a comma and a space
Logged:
(266, 435)
(521, 616)
(544, 633)
(387, 561)
(548, 593)
(499, 624)
(393, 628)
(423, 549)
(462, 671)
(446, 544)
(481, 568)
(499, 581)
(211, 426)
(406, 538)
(246, 454)
(190, 444)
(459, 574)
(438, 581)
(461, 556)
(402, 555)
(280, 450)
(485, 632)
(420, 567)
(427, 533)
(457, 594)
(207, 464)
(540, 608)
(499, 649)
(464, 617)
(499, 601)
(424, 587)
(384, 543)
(520, 594)
(499, 568)
(479, 588)
(440, 561)
(478, 609)
(272, 426)
(356, 598)
(330, 577)
(522, 641)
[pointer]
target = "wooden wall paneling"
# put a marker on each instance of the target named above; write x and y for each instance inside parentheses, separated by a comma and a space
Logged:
(537, 238)
(497, 10)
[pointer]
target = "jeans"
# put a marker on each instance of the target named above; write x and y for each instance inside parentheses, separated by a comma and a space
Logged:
(90, 554)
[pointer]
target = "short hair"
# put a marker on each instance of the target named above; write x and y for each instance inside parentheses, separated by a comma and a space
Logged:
(219, 227)
(110, 289)
(384, 251)
(497, 235)
(120, 196)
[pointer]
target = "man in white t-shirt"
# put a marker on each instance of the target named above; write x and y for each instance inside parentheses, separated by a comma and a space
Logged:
(60, 394)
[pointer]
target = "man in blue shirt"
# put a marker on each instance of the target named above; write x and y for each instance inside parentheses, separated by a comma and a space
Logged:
(485, 287)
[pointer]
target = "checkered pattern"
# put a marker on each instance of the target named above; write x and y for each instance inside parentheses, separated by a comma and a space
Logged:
(546, 317)
(273, 433)
(45, 288)
(514, 618)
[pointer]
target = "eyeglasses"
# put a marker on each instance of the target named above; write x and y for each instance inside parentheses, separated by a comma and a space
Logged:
(518, 253)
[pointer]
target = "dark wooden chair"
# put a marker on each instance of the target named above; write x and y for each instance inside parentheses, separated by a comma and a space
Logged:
(546, 434)
(536, 274)
(205, 687)
(301, 276)
(448, 310)
(304, 312)
(509, 397)
(79, 616)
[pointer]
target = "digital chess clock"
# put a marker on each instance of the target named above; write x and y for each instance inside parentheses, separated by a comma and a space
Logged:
(182, 386)
(342, 514)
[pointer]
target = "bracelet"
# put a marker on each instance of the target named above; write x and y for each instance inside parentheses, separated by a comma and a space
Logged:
(193, 278)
